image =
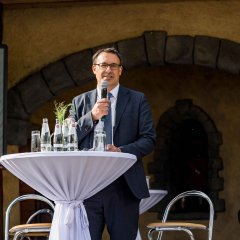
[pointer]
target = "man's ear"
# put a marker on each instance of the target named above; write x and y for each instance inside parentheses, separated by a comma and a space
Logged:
(120, 72)
(94, 69)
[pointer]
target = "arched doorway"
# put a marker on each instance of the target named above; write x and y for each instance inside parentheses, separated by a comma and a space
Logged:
(187, 158)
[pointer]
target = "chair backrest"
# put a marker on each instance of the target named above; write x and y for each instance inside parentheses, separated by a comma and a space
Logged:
(41, 211)
(197, 194)
(20, 199)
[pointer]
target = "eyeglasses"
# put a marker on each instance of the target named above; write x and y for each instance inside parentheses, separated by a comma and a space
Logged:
(104, 66)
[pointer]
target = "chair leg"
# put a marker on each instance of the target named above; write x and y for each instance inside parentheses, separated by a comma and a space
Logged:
(159, 237)
(189, 233)
(150, 234)
(17, 235)
(182, 229)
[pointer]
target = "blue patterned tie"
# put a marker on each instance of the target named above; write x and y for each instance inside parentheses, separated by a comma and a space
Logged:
(108, 123)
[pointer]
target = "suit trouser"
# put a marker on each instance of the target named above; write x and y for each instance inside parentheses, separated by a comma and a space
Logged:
(116, 207)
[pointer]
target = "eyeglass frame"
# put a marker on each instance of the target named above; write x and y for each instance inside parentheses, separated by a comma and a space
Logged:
(104, 66)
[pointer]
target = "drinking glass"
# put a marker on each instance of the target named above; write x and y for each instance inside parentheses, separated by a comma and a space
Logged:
(99, 140)
(35, 141)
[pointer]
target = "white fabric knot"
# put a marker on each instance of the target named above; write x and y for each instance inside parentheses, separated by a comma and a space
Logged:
(71, 209)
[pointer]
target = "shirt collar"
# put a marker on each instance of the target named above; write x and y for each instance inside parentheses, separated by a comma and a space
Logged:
(114, 92)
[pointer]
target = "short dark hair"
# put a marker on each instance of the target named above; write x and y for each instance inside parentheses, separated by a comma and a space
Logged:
(107, 50)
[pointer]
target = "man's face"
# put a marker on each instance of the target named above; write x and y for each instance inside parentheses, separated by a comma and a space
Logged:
(109, 73)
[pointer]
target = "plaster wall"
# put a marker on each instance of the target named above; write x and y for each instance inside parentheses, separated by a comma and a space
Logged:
(39, 36)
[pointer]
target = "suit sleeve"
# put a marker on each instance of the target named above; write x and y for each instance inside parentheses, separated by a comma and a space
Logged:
(84, 119)
(145, 131)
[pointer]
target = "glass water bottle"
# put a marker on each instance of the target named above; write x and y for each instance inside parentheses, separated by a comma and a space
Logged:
(72, 137)
(57, 137)
(65, 131)
(45, 137)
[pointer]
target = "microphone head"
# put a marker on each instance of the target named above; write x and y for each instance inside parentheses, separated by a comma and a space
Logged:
(104, 89)
(104, 84)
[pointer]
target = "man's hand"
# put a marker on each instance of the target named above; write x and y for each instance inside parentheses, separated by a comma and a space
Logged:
(112, 148)
(100, 109)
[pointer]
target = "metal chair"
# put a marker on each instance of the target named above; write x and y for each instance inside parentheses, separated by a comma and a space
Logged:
(29, 229)
(187, 227)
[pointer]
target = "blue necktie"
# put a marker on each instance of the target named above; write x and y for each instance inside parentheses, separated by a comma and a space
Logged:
(108, 122)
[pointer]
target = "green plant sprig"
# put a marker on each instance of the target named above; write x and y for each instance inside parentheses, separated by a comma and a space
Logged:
(60, 110)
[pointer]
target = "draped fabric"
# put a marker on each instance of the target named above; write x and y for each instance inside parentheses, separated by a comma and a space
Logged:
(155, 197)
(68, 178)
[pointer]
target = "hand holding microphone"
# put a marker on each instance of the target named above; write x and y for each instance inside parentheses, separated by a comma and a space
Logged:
(100, 109)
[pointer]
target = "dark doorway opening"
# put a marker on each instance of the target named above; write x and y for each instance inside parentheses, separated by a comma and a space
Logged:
(189, 158)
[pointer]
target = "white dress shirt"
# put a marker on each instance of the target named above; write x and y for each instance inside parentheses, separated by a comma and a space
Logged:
(113, 100)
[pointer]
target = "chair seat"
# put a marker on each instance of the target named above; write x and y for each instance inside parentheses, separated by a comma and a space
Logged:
(176, 225)
(33, 229)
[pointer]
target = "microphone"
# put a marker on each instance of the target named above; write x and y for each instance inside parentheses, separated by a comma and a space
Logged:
(104, 93)
(104, 89)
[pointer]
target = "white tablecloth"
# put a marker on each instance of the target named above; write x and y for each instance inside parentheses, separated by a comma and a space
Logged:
(147, 203)
(155, 197)
(68, 178)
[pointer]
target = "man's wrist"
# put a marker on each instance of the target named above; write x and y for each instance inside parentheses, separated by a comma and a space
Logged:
(93, 118)
(119, 150)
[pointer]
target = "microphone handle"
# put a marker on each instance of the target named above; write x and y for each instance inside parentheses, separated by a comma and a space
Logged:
(103, 118)
(103, 95)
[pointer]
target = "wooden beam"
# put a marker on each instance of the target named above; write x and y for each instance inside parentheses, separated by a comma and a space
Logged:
(54, 3)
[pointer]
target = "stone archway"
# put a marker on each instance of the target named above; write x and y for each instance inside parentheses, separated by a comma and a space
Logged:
(153, 48)
(161, 166)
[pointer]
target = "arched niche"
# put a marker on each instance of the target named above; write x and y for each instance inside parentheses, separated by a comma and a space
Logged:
(187, 158)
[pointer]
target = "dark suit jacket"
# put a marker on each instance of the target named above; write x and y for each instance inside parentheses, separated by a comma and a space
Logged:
(134, 130)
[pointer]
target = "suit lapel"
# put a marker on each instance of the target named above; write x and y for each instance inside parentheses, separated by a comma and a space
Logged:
(122, 100)
(91, 99)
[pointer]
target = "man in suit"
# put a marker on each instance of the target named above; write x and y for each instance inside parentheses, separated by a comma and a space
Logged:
(117, 205)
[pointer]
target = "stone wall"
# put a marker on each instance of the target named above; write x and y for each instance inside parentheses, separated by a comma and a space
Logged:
(150, 49)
